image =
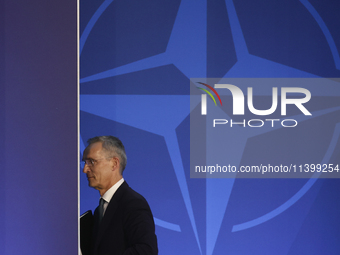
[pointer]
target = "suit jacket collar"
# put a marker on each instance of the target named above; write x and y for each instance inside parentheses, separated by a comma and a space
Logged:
(110, 211)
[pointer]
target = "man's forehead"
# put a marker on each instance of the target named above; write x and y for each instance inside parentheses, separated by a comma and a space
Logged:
(94, 148)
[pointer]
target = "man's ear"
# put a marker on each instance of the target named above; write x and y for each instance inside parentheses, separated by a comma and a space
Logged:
(115, 163)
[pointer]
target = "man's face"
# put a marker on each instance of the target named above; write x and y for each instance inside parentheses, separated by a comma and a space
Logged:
(101, 173)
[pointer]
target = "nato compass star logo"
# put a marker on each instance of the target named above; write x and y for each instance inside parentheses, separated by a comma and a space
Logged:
(136, 63)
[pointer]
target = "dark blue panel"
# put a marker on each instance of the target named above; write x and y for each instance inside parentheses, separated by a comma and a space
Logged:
(87, 10)
(287, 33)
(221, 55)
(2, 125)
(40, 103)
(253, 198)
(314, 238)
(129, 35)
(329, 11)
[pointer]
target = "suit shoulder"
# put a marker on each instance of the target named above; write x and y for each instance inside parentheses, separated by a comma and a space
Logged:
(131, 194)
(131, 198)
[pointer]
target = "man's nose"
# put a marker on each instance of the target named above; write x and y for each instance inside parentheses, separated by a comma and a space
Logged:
(85, 169)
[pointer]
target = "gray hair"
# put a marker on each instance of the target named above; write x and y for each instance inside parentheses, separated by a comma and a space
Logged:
(113, 146)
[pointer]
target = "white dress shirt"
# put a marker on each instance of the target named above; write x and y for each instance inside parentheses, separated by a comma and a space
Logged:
(110, 192)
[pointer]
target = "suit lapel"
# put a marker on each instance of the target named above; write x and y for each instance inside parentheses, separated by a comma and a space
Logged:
(109, 213)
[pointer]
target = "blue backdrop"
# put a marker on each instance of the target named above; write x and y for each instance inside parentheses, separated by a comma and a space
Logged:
(137, 59)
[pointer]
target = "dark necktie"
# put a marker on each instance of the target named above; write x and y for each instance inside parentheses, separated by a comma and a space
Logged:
(101, 209)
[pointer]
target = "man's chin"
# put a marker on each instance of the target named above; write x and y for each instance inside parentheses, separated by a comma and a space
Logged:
(91, 182)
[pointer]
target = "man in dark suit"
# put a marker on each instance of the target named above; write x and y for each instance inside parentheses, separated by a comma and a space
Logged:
(123, 222)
